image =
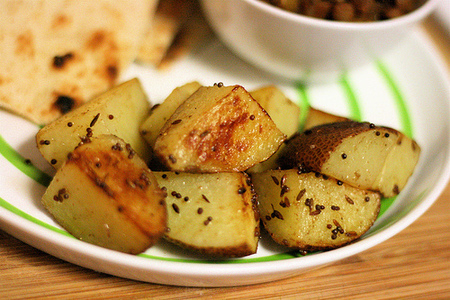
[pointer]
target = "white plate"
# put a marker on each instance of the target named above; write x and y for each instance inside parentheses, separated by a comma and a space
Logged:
(442, 13)
(407, 90)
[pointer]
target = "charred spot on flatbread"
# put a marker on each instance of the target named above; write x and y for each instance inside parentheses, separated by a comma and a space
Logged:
(53, 51)
(64, 104)
(59, 61)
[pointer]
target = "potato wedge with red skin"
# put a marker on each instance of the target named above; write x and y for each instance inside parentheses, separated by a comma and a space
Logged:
(310, 211)
(217, 129)
(104, 194)
(214, 214)
(360, 154)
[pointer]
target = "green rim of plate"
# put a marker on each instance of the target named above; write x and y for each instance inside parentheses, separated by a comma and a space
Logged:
(353, 102)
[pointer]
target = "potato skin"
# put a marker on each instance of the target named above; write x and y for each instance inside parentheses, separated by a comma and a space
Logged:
(361, 154)
(310, 149)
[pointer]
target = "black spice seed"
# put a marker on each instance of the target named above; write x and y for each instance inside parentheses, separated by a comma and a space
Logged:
(203, 134)
(98, 165)
(242, 190)
(300, 194)
(351, 234)
(339, 182)
(44, 142)
(377, 133)
(275, 180)
(70, 124)
(396, 189)
(53, 161)
(28, 161)
(333, 236)
(344, 156)
(252, 117)
(94, 120)
(176, 122)
(219, 84)
(176, 208)
(200, 210)
(207, 221)
(372, 125)
(315, 212)
(110, 117)
(186, 199)
(164, 176)
(329, 226)
(386, 134)
(283, 179)
(334, 207)
(172, 158)
(349, 200)
(204, 198)
(268, 218)
(367, 199)
(335, 222)
(284, 190)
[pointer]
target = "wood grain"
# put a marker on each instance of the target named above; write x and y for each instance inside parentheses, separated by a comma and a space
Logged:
(414, 264)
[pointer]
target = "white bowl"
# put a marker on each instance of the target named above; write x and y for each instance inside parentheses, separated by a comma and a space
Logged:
(303, 48)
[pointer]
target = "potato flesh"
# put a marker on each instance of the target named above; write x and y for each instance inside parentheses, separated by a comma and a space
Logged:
(108, 197)
(219, 217)
(284, 113)
(217, 129)
(334, 215)
(361, 154)
(161, 113)
(119, 111)
(317, 117)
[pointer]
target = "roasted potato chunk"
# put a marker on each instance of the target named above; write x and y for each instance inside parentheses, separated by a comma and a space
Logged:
(119, 111)
(217, 129)
(360, 154)
(160, 113)
(215, 214)
(283, 112)
(104, 194)
(310, 211)
(317, 117)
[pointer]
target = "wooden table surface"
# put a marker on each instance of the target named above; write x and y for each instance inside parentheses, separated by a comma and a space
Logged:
(414, 264)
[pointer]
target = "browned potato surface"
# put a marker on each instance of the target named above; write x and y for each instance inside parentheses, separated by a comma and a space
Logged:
(217, 129)
(309, 211)
(104, 194)
(361, 154)
(213, 214)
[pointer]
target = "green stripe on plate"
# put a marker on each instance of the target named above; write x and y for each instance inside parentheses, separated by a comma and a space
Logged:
(21, 163)
(355, 111)
(398, 98)
(5, 204)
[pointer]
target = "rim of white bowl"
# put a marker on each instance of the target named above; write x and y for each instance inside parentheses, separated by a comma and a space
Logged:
(410, 18)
